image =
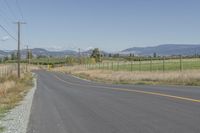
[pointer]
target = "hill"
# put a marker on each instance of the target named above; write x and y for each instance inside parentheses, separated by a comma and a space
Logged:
(165, 50)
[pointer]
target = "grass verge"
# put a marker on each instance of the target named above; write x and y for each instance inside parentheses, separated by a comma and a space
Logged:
(187, 77)
(12, 91)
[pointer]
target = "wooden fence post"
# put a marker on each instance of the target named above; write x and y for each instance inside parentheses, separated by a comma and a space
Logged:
(139, 64)
(151, 64)
(131, 66)
(181, 67)
(163, 63)
(118, 66)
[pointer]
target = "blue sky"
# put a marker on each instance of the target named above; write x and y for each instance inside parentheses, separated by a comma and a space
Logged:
(111, 25)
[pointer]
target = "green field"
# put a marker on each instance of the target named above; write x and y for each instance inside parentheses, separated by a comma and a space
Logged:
(151, 65)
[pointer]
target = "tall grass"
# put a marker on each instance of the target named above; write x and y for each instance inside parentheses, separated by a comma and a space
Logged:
(12, 90)
(187, 77)
(149, 65)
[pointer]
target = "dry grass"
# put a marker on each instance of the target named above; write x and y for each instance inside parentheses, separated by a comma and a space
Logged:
(12, 90)
(189, 77)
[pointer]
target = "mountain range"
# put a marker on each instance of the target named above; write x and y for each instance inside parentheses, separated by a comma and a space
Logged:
(162, 50)
(165, 50)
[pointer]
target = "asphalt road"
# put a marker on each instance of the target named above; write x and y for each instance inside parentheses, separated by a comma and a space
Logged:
(65, 104)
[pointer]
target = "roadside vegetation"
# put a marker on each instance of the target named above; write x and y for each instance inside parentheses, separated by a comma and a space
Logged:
(187, 77)
(12, 91)
(171, 70)
(116, 68)
(148, 65)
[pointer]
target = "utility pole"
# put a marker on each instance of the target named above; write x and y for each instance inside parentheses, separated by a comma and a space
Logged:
(18, 48)
(27, 60)
(79, 55)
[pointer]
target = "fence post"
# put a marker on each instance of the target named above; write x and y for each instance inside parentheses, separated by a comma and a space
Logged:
(150, 64)
(139, 64)
(131, 66)
(181, 67)
(118, 66)
(112, 65)
(163, 63)
(6, 71)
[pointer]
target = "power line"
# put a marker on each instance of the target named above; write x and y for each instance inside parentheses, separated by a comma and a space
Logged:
(2, 12)
(9, 8)
(8, 32)
(19, 8)
(7, 22)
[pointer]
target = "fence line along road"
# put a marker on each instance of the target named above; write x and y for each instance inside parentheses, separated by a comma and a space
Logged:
(9, 69)
(149, 65)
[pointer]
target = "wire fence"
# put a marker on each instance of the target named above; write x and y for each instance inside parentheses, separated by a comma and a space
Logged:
(149, 65)
(10, 69)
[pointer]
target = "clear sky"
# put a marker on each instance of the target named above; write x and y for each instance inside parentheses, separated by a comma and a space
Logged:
(111, 25)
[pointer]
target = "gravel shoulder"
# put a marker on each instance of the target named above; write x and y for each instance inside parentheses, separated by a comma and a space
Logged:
(16, 120)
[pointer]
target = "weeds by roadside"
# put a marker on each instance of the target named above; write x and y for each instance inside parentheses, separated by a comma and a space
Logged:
(12, 90)
(187, 77)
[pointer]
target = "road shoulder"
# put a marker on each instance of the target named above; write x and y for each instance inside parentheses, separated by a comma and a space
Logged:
(16, 120)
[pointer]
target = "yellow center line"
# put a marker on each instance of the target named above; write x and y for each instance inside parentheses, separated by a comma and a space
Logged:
(137, 91)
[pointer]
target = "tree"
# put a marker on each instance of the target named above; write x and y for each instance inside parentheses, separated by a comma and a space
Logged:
(116, 55)
(154, 55)
(5, 58)
(131, 55)
(29, 55)
(13, 56)
(41, 56)
(96, 55)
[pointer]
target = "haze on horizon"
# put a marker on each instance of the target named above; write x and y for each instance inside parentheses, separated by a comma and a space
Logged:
(111, 25)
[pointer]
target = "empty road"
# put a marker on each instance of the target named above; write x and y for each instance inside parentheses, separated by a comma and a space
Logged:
(65, 104)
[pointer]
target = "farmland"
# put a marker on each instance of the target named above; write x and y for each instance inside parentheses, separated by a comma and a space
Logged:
(149, 65)
(168, 71)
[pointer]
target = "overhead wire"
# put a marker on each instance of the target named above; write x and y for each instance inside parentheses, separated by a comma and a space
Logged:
(6, 19)
(20, 10)
(9, 8)
(2, 27)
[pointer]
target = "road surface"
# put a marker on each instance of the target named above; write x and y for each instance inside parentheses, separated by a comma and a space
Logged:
(65, 104)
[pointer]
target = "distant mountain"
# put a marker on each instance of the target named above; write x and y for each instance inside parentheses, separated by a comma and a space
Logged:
(40, 51)
(162, 50)
(165, 50)
(3, 53)
(44, 52)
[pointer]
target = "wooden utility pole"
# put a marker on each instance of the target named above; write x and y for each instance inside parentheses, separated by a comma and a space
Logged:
(79, 55)
(28, 56)
(18, 48)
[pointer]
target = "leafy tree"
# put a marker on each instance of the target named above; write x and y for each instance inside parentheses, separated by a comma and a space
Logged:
(154, 55)
(70, 60)
(96, 55)
(131, 55)
(116, 55)
(13, 56)
(6, 58)
(29, 55)
(41, 56)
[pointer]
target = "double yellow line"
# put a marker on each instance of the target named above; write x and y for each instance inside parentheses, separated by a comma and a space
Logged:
(137, 91)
